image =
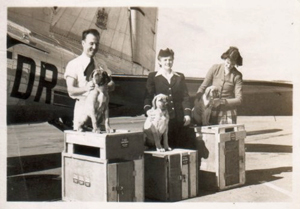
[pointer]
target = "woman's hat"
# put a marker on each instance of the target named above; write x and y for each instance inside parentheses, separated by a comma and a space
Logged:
(234, 55)
(166, 53)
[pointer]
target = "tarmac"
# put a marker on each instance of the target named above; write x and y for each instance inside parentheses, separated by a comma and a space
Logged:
(34, 162)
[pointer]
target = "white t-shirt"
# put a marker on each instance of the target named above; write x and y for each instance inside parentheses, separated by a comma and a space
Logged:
(75, 69)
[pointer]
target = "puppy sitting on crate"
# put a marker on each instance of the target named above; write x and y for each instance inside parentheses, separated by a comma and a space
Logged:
(202, 109)
(96, 103)
(156, 125)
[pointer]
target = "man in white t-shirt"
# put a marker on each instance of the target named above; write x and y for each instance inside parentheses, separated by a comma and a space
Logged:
(78, 70)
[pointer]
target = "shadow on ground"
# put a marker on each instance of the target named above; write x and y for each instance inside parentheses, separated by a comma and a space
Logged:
(268, 148)
(254, 177)
(23, 186)
(32, 163)
(265, 175)
(259, 132)
(34, 188)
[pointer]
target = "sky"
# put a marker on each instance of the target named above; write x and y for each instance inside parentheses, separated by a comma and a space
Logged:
(267, 35)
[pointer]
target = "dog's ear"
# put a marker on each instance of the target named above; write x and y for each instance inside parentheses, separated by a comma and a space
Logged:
(107, 78)
(154, 102)
(91, 75)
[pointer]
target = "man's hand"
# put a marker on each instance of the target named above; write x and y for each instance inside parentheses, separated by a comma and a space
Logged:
(187, 120)
(146, 108)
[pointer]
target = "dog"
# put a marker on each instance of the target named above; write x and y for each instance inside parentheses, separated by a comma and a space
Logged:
(156, 125)
(96, 103)
(202, 107)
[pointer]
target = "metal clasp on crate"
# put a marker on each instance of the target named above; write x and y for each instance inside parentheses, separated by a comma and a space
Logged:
(87, 182)
(75, 179)
(118, 189)
(81, 180)
(182, 178)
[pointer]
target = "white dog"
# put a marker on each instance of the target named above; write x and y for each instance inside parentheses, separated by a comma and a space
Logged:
(96, 103)
(156, 124)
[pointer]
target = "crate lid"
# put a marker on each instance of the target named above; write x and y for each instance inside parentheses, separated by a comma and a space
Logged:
(172, 152)
(224, 128)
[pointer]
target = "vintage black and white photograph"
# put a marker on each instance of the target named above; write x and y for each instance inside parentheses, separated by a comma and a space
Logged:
(181, 104)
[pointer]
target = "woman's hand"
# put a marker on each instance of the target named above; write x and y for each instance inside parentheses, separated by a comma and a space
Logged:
(89, 86)
(151, 114)
(186, 120)
(217, 102)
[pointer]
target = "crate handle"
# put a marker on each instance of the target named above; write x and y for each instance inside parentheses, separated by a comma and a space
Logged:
(118, 189)
(229, 130)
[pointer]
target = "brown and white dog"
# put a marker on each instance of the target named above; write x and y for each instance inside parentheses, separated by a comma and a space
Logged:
(202, 109)
(156, 124)
(96, 103)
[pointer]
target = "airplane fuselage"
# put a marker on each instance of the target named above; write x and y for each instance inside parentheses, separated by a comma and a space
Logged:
(36, 90)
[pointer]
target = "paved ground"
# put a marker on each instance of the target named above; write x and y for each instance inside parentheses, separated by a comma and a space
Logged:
(34, 162)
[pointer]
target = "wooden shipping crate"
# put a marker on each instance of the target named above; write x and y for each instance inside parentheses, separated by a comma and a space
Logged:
(86, 178)
(171, 175)
(224, 167)
(122, 146)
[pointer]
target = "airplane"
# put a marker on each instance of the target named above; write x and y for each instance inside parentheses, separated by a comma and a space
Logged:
(41, 41)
